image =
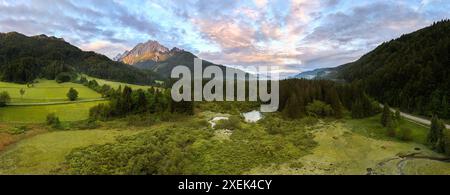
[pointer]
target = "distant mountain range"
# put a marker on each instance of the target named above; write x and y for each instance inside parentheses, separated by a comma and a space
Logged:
(315, 74)
(153, 56)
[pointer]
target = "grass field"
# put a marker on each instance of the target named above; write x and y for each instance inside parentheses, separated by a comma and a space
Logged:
(347, 149)
(115, 84)
(46, 91)
(43, 154)
(371, 127)
(38, 114)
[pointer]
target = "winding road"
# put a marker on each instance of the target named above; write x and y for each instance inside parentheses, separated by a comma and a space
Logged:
(415, 119)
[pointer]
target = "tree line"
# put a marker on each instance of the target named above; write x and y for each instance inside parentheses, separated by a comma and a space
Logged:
(301, 97)
(126, 101)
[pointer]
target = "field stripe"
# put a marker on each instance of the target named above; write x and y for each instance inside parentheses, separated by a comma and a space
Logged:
(56, 103)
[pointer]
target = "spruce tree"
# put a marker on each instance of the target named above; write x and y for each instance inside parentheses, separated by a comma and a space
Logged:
(436, 135)
(398, 117)
(386, 116)
(72, 94)
(292, 107)
(127, 101)
(142, 101)
(357, 109)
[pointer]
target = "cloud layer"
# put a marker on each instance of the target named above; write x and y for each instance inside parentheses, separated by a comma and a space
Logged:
(296, 35)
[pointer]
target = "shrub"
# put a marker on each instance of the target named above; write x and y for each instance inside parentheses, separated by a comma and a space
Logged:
(273, 125)
(63, 77)
(100, 112)
(86, 124)
(309, 121)
(141, 120)
(83, 80)
(53, 120)
(72, 94)
(18, 130)
(4, 98)
(233, 123)
(397, 115)
(319, 109)
(199, 124)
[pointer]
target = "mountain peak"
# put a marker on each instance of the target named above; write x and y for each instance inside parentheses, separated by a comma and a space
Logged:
(176, 50)
(149, 51)
(150, 46)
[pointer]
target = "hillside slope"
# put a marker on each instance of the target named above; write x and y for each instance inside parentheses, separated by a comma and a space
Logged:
(411, 72)
(23, 59)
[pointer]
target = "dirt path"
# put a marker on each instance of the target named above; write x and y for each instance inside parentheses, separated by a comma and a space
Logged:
(56, 103)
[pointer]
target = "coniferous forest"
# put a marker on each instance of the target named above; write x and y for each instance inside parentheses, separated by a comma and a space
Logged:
(411, 72)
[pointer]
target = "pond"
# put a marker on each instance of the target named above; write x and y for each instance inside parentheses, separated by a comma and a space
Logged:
(252, 117)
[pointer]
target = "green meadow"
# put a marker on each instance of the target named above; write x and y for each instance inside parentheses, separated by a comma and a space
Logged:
(46, 91)
(44, 153)
(38, 114)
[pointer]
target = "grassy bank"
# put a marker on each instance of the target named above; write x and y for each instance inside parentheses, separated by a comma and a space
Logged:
(46, 91)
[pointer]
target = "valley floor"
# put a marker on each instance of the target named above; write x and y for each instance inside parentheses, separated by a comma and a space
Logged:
(344, 147)
(341, 151)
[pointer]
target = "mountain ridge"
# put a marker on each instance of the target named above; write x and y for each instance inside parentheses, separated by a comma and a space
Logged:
(25, 58)
(153, 56)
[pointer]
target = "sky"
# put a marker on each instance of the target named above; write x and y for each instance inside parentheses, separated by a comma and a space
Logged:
(294, 35)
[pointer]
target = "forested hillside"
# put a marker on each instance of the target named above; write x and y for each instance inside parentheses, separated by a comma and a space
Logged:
(411, 72)
(322, 98)
(23, 59)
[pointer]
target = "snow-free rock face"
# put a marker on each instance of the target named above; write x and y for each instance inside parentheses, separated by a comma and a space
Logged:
(158, 58)
(149, 51)
(120, 56)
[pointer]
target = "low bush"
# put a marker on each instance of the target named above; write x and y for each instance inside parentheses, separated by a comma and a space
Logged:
(233, 123)
(53, 121)
(319, 109)
(63, 77)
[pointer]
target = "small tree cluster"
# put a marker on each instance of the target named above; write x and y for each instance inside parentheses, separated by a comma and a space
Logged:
(53, 121)
(319, 109)
(127, 101)
(4, 98)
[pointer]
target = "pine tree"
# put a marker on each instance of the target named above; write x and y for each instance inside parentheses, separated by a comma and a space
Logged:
(357, 109)
(142, 101)
(72, 94)
(436, 137)
(292, 108)
(386, 116)
(126, 100)
(445, 107)
(398, 116)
